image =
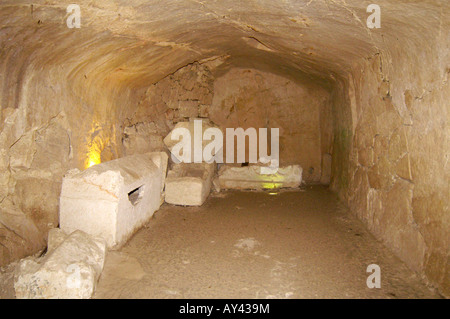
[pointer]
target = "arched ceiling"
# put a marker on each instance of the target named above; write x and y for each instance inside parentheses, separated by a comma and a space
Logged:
(135, 42)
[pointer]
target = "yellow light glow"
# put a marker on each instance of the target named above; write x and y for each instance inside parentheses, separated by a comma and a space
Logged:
(92, 163)
(273, 194)
(93, 158)
(96, 144)
(269, 185)
(272, 182)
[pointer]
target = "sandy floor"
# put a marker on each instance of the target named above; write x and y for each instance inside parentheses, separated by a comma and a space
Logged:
(297, 244)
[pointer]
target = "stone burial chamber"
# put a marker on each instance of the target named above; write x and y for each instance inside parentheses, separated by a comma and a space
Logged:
(113, 199)
(359, 106)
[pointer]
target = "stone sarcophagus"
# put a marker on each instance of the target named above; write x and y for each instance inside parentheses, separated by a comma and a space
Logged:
(113, 199)
(253, 177)
(189, 184)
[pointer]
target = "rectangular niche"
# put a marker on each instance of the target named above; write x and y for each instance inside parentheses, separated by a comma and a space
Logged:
(136, 195)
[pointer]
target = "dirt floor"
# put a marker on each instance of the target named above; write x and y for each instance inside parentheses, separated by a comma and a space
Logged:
(294, 244)
(291, 244)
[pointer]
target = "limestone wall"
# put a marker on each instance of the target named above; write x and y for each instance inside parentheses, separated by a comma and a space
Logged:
(240, 98)
(72, 97)
(392, 121)
(250, 98)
